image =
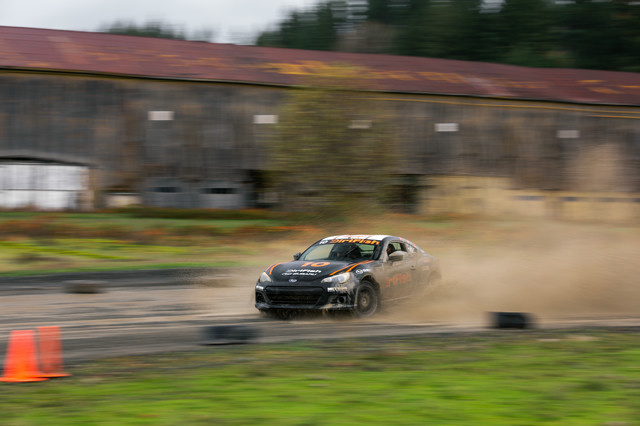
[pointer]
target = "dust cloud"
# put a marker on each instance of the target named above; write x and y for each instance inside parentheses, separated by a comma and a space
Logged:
(553, 272)
(223, 294)
(600, 168)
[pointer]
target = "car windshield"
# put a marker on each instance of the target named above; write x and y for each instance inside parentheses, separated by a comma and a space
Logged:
(341, 251)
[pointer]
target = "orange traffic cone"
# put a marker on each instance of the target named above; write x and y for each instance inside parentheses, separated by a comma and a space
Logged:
(20, 363)
(50, 352)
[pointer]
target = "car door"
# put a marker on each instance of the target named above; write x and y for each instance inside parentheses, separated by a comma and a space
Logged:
(420, 267)
(399, 271)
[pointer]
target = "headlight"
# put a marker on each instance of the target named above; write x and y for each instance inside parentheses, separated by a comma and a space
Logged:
(338, 279)
(264, 278)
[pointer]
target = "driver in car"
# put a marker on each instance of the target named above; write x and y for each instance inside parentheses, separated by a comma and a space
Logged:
(347, 251)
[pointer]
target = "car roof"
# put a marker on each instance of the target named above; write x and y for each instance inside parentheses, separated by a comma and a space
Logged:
(376, 239)
(356, 238)
(363, 239)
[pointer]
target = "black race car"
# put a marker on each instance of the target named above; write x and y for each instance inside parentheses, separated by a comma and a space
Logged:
(357, 273)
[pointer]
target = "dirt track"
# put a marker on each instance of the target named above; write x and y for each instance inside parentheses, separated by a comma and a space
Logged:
(151, 315)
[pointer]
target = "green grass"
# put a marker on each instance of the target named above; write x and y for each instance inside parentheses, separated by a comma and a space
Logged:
(28, 257)
(509, 378)
(117, 220)
(41, 243)
(146, 223)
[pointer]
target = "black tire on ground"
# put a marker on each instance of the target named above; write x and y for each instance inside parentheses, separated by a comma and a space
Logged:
(84, 287)
(517, 320)
(229, 334)
(366, 300)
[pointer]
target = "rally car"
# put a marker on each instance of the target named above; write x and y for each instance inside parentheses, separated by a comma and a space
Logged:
(357, 273)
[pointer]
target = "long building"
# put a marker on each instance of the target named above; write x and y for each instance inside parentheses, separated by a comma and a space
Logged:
(93, 120)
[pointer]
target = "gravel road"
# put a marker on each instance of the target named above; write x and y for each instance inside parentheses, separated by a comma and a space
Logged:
(147, 312)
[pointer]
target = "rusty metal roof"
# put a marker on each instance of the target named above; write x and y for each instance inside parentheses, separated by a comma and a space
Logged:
(89, 52)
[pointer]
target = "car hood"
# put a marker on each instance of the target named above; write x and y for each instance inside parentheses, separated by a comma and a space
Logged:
(304, 270)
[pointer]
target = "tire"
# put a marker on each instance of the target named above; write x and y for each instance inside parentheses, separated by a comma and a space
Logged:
(228, 334)
(435, 281)
(84, 287)
(428, 291)
(519, 320)
(366, 301)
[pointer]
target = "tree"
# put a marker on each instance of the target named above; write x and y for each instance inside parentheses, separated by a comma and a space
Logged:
(314, 29)
(367, 37)
(603, 34)
(333, 148)
(526, 32)
(157, 29)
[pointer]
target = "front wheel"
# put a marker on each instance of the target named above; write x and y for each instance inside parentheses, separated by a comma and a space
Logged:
(366, 300)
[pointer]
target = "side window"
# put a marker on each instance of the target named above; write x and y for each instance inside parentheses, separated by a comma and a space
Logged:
(395, 246)
(400, 246)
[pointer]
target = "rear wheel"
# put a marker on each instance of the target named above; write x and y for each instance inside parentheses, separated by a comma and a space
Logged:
(366, 300)
(433, 286)
(427, 291)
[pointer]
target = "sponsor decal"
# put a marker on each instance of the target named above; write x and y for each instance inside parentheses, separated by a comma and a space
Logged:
(270, 268)
(398, 279)
(350, 268)
(314, 264)
(408, 242)
(302, 272)
(354, 240)
(358, 239)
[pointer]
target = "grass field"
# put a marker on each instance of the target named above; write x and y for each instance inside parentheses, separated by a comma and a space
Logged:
(590, 377)
(68, 242)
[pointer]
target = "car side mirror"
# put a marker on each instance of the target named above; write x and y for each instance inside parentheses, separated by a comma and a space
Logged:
(396, 256)
(297, 256)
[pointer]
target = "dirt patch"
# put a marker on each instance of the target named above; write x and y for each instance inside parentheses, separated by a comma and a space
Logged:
(551, 270)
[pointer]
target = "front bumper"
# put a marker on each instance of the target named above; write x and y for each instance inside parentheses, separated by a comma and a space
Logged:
(304, 297)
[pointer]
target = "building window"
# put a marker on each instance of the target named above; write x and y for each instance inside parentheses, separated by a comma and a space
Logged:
(446, 127)
(166, 189)
(161, 115)
(219, 191)
(265, 119)
(360, 124)
(568, 134)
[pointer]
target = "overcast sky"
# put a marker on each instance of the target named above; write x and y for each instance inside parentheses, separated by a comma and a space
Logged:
(232, 21)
